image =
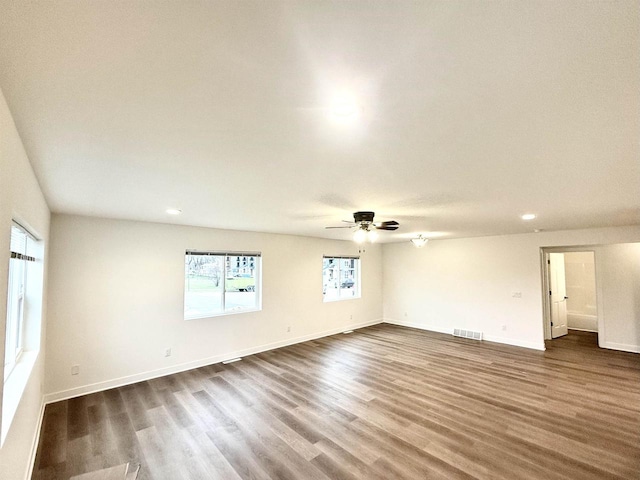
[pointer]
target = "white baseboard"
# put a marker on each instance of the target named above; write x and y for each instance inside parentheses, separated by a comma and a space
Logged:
(420, 326)
(621, 346)
(515, 342)
(583, 330)
(582, 321)
(140, 377)
(36, 440)
(488, 338)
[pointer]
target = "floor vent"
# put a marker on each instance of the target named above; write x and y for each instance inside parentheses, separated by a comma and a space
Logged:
(458, 332)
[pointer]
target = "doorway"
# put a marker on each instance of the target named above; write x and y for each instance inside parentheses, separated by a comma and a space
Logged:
(570, 291)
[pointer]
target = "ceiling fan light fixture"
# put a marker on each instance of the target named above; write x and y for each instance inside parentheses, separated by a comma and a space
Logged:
(365, 234)
(360, 235)
(419, 241)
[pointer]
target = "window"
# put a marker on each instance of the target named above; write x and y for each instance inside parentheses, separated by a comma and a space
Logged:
(218, 283)
(23, 321)
(340, 278)
(21, 254)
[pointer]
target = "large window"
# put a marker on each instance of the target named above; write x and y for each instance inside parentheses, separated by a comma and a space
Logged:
(340, 278)
(217, 283)
(22, 246)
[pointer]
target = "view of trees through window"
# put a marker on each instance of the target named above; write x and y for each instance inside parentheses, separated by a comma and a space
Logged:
(218, 283)
(340, 278)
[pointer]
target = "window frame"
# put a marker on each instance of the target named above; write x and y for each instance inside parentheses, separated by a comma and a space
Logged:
(15, 317)
(357, 288)
(256, 265)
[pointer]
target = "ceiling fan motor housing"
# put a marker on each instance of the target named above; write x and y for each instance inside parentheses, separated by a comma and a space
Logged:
(363, 217)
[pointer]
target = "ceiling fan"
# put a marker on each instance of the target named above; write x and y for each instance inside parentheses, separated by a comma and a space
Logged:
(365, 226)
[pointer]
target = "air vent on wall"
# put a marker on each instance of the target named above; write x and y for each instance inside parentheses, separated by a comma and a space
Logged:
(458, 332)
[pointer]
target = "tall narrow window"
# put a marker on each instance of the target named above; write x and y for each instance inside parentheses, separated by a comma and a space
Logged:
(340, 278)
(217, 283)
(21, 253)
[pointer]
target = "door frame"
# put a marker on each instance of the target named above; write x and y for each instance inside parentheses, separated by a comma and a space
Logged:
(546, 303)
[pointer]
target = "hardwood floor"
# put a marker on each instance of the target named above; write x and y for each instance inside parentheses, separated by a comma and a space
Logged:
(384, 402)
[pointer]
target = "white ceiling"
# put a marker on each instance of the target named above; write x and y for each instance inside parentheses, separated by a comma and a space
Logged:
(472, 113)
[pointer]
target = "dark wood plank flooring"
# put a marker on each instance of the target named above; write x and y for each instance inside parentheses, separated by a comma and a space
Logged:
(385, 402)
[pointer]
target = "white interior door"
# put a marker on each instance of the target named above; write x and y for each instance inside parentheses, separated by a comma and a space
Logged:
(558, 295)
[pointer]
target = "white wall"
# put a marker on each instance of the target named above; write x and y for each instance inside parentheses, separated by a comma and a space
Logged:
(470, 282)
(580, 276)
(618, 285)
(20, 199)
(116, 299)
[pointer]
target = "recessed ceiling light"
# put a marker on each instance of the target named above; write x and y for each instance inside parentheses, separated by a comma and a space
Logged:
(528, 216)
(174, 211)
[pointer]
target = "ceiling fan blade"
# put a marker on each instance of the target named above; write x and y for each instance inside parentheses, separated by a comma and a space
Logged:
(351, 224)
(388, 227)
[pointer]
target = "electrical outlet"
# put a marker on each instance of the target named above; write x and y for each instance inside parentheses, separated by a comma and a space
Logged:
(516, 294)
(288, 328)
(405, 314)
(75, 369)
(167, 352)
(504, 328)
(350, 317)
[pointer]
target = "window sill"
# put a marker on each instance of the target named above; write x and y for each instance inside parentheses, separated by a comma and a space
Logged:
(324, 300)
(14, 387)
(223, 314)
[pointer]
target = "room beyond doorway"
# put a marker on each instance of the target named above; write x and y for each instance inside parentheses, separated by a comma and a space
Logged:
(580, 277)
